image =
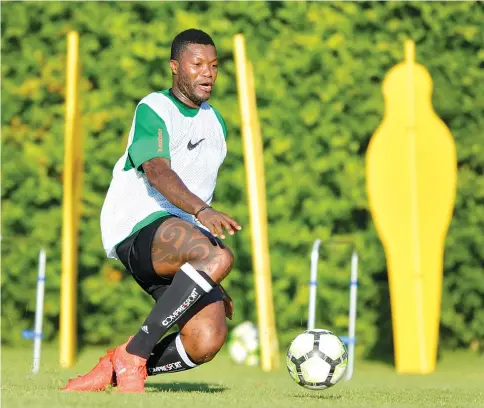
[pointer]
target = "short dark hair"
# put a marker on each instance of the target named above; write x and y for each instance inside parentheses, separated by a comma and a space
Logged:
(190, 36)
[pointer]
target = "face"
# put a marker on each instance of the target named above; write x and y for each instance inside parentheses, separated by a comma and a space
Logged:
(195, 72)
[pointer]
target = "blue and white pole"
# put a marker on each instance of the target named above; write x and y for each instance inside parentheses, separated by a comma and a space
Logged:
(36, 334)
(352, 317)
(39, 311)
(313, 284)
(349, 340)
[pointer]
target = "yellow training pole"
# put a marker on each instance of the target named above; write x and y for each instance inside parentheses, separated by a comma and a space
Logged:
(257, 207)
(70, 207)
(266, 284)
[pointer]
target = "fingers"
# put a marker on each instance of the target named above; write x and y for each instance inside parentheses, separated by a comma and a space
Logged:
(217, 228)
(229, 224)
(213, 228)
(228, 227)
(233, 224)
(215, 241)
(219, 222)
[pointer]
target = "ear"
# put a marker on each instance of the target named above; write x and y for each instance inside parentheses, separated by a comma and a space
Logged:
(174, 66)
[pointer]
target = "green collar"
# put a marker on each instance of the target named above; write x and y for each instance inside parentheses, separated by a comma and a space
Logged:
(185, 110)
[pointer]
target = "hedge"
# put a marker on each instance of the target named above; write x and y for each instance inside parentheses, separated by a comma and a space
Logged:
(319, 69)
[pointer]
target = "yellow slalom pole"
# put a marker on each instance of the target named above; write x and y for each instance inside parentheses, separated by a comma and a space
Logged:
(257, 207)
(72, 179)
(265, 284)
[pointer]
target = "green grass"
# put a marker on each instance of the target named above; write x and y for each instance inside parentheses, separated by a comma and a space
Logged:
(458, 382)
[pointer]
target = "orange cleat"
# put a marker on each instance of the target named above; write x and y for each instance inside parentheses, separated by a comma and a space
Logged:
(97, 379)
(130, 370)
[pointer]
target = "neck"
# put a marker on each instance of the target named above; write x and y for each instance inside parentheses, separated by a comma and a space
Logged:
(182, 97)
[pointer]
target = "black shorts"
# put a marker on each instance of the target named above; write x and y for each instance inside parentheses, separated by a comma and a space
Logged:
(135, 254)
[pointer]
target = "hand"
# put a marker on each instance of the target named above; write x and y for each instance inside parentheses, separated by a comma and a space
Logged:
(217, 221)
(228, 304)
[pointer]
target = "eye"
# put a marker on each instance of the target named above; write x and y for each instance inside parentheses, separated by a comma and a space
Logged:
(215, 66)
(197, 64)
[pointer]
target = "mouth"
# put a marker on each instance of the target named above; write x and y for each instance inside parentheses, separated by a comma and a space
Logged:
(206, 87)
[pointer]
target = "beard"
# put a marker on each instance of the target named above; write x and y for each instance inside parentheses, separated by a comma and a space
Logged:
(188, 89)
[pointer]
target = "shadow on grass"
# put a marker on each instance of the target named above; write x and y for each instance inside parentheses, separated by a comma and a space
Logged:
(186, 387)
(328, 397)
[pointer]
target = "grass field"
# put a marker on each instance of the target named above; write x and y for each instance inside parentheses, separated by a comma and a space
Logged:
(458, 382)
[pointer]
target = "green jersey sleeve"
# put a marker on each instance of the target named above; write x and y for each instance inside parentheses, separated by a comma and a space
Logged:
(221, 120)
(150, 139)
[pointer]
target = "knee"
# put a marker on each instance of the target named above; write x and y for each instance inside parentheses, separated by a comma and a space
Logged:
(207, 343)
(221, 264)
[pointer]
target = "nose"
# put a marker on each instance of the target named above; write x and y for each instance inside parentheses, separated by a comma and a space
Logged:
(207, 71)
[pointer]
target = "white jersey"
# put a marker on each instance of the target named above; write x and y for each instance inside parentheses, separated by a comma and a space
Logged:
(192, 138)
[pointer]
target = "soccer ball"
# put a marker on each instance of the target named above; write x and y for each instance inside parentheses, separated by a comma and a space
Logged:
(317, 359)
(243, 344)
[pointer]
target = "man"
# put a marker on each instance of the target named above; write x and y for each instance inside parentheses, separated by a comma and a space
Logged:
(158, 222)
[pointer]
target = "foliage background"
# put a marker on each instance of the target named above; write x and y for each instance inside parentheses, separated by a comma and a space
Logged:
(319, 69)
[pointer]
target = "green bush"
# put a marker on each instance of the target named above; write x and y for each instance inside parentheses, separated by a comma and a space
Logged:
(319, 69)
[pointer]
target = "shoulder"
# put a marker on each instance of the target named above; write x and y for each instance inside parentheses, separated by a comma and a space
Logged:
(156, 102)
(219, 118)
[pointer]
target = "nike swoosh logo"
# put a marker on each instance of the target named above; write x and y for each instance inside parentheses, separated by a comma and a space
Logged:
(191, 146)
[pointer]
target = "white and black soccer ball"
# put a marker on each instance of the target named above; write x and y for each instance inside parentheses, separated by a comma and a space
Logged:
(317, 359)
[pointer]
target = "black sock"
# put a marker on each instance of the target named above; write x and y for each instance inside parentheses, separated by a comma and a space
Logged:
(169, 356)
(187, 288)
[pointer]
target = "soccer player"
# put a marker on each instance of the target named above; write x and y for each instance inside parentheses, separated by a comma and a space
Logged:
(157, 220)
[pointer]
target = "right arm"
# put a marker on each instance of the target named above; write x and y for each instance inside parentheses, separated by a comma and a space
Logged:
(161, 176)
